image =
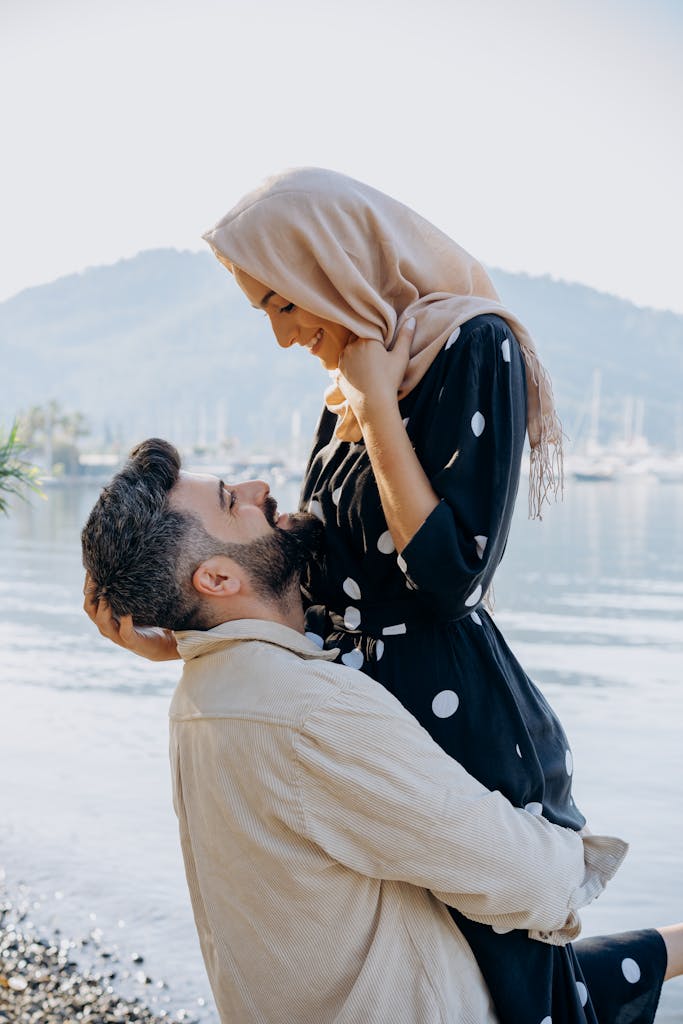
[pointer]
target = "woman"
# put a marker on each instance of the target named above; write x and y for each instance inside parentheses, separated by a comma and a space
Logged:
(417, 456)
(414, 472)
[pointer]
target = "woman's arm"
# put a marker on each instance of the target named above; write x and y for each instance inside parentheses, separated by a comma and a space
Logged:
(449, 502)
(370, 378)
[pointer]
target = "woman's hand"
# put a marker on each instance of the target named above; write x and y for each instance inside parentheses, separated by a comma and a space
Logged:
(153, 644)
(369, 376)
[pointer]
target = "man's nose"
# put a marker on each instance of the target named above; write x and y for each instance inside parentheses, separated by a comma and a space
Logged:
(253, 492)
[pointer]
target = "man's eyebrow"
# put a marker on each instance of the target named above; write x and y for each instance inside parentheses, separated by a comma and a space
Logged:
(221, 494)
(266, 299)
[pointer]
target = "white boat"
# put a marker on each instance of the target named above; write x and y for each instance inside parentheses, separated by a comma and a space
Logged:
(669, 470)
(591, 461)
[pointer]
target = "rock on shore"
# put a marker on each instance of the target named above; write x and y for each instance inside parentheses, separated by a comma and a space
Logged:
(41, 983)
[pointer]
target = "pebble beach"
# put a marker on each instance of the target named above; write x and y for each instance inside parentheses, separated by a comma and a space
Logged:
(51, 979)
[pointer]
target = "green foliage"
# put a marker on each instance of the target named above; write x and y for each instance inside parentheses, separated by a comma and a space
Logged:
(15, 473)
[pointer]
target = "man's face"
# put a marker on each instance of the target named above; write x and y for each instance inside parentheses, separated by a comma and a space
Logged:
(243, 518)
(233, 513)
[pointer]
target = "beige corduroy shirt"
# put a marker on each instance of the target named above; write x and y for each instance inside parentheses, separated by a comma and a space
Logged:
(323, 831)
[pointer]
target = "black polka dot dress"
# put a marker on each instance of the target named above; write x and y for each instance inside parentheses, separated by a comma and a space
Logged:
(417, 623)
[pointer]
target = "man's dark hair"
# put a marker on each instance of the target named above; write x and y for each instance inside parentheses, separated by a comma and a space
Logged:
(140, 552)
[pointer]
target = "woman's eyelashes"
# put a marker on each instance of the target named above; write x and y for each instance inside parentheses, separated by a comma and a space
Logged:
(289, 308)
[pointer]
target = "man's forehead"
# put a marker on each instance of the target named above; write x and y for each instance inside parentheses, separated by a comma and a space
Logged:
(191, 486)
(186, 478)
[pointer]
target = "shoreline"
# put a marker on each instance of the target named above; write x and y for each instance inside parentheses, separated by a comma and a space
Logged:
(47, 978)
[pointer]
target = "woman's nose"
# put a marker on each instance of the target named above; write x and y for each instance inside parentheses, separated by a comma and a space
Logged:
(285, 334)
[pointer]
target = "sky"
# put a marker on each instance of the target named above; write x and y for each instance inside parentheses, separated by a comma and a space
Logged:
(543, 135)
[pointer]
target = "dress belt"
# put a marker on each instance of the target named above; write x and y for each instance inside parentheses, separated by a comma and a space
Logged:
(383, 618)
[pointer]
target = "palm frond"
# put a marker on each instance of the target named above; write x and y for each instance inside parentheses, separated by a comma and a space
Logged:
(16, 474)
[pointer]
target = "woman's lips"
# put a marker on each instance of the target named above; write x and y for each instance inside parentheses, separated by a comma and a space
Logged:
(314, 343)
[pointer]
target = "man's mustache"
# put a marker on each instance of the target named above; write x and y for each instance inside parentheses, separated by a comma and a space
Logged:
(270, 509)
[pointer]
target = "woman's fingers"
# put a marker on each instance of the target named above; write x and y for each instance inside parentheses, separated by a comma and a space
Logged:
(126, 629)
(153, 644)
(400, 352)
(105, 621)
(370, 376)
(98, 610)
(89, 602)
(406, 332)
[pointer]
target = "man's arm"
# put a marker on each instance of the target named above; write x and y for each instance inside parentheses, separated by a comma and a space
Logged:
(381, 797)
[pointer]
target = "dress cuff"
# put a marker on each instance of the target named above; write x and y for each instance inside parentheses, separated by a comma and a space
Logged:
(437, 562)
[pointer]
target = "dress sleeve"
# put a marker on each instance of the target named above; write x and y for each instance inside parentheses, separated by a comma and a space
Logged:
(403, 810)
(471, 452)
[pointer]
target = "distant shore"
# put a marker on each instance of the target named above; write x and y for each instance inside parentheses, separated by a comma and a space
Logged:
(44, 978)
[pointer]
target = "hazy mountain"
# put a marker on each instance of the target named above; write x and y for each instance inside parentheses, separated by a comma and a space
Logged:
(165, 343)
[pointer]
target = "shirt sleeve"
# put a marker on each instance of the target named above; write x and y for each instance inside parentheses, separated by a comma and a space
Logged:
(471, 451)
(379, 796)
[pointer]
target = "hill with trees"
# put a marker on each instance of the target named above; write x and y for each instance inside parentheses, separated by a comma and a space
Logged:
(165, 343)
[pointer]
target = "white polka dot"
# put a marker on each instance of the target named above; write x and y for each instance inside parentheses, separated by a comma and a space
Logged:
(438, 398)
(402, 564)
(547, 1020)
(475, 618)
(583, 992)
(630, 970)
(336, 495)
(353, 659)
(499, 930)
(534, 808)
(478, 423)
(317, 640)
(453, 338)
(315, 508)
(517, 750)
(474, 597)
(352, 618)
(505, 350)
(445, 704)
(481, 541)
(396, 630)
(386, 543)
(379, 649)
(406, 421)
(351, 588)
(569, 762)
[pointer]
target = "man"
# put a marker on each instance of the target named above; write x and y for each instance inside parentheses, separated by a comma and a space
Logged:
(322, 828)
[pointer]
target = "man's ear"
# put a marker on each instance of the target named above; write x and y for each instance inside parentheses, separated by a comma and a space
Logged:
(217, 577)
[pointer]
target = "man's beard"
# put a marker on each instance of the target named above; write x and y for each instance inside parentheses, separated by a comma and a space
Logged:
(275, 563)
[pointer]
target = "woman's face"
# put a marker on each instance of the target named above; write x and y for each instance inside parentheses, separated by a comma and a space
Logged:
(294, 326)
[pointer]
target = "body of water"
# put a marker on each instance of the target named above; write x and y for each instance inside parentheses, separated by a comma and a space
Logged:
(591, 600)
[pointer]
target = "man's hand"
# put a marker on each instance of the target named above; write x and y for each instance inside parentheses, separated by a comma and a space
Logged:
(153, 644)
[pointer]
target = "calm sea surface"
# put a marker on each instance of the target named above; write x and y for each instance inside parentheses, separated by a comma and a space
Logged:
(591, 600)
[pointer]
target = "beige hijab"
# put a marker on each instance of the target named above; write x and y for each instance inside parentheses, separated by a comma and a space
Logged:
(350, 254)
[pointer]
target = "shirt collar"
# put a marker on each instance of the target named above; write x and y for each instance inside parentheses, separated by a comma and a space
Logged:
(192, 643)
